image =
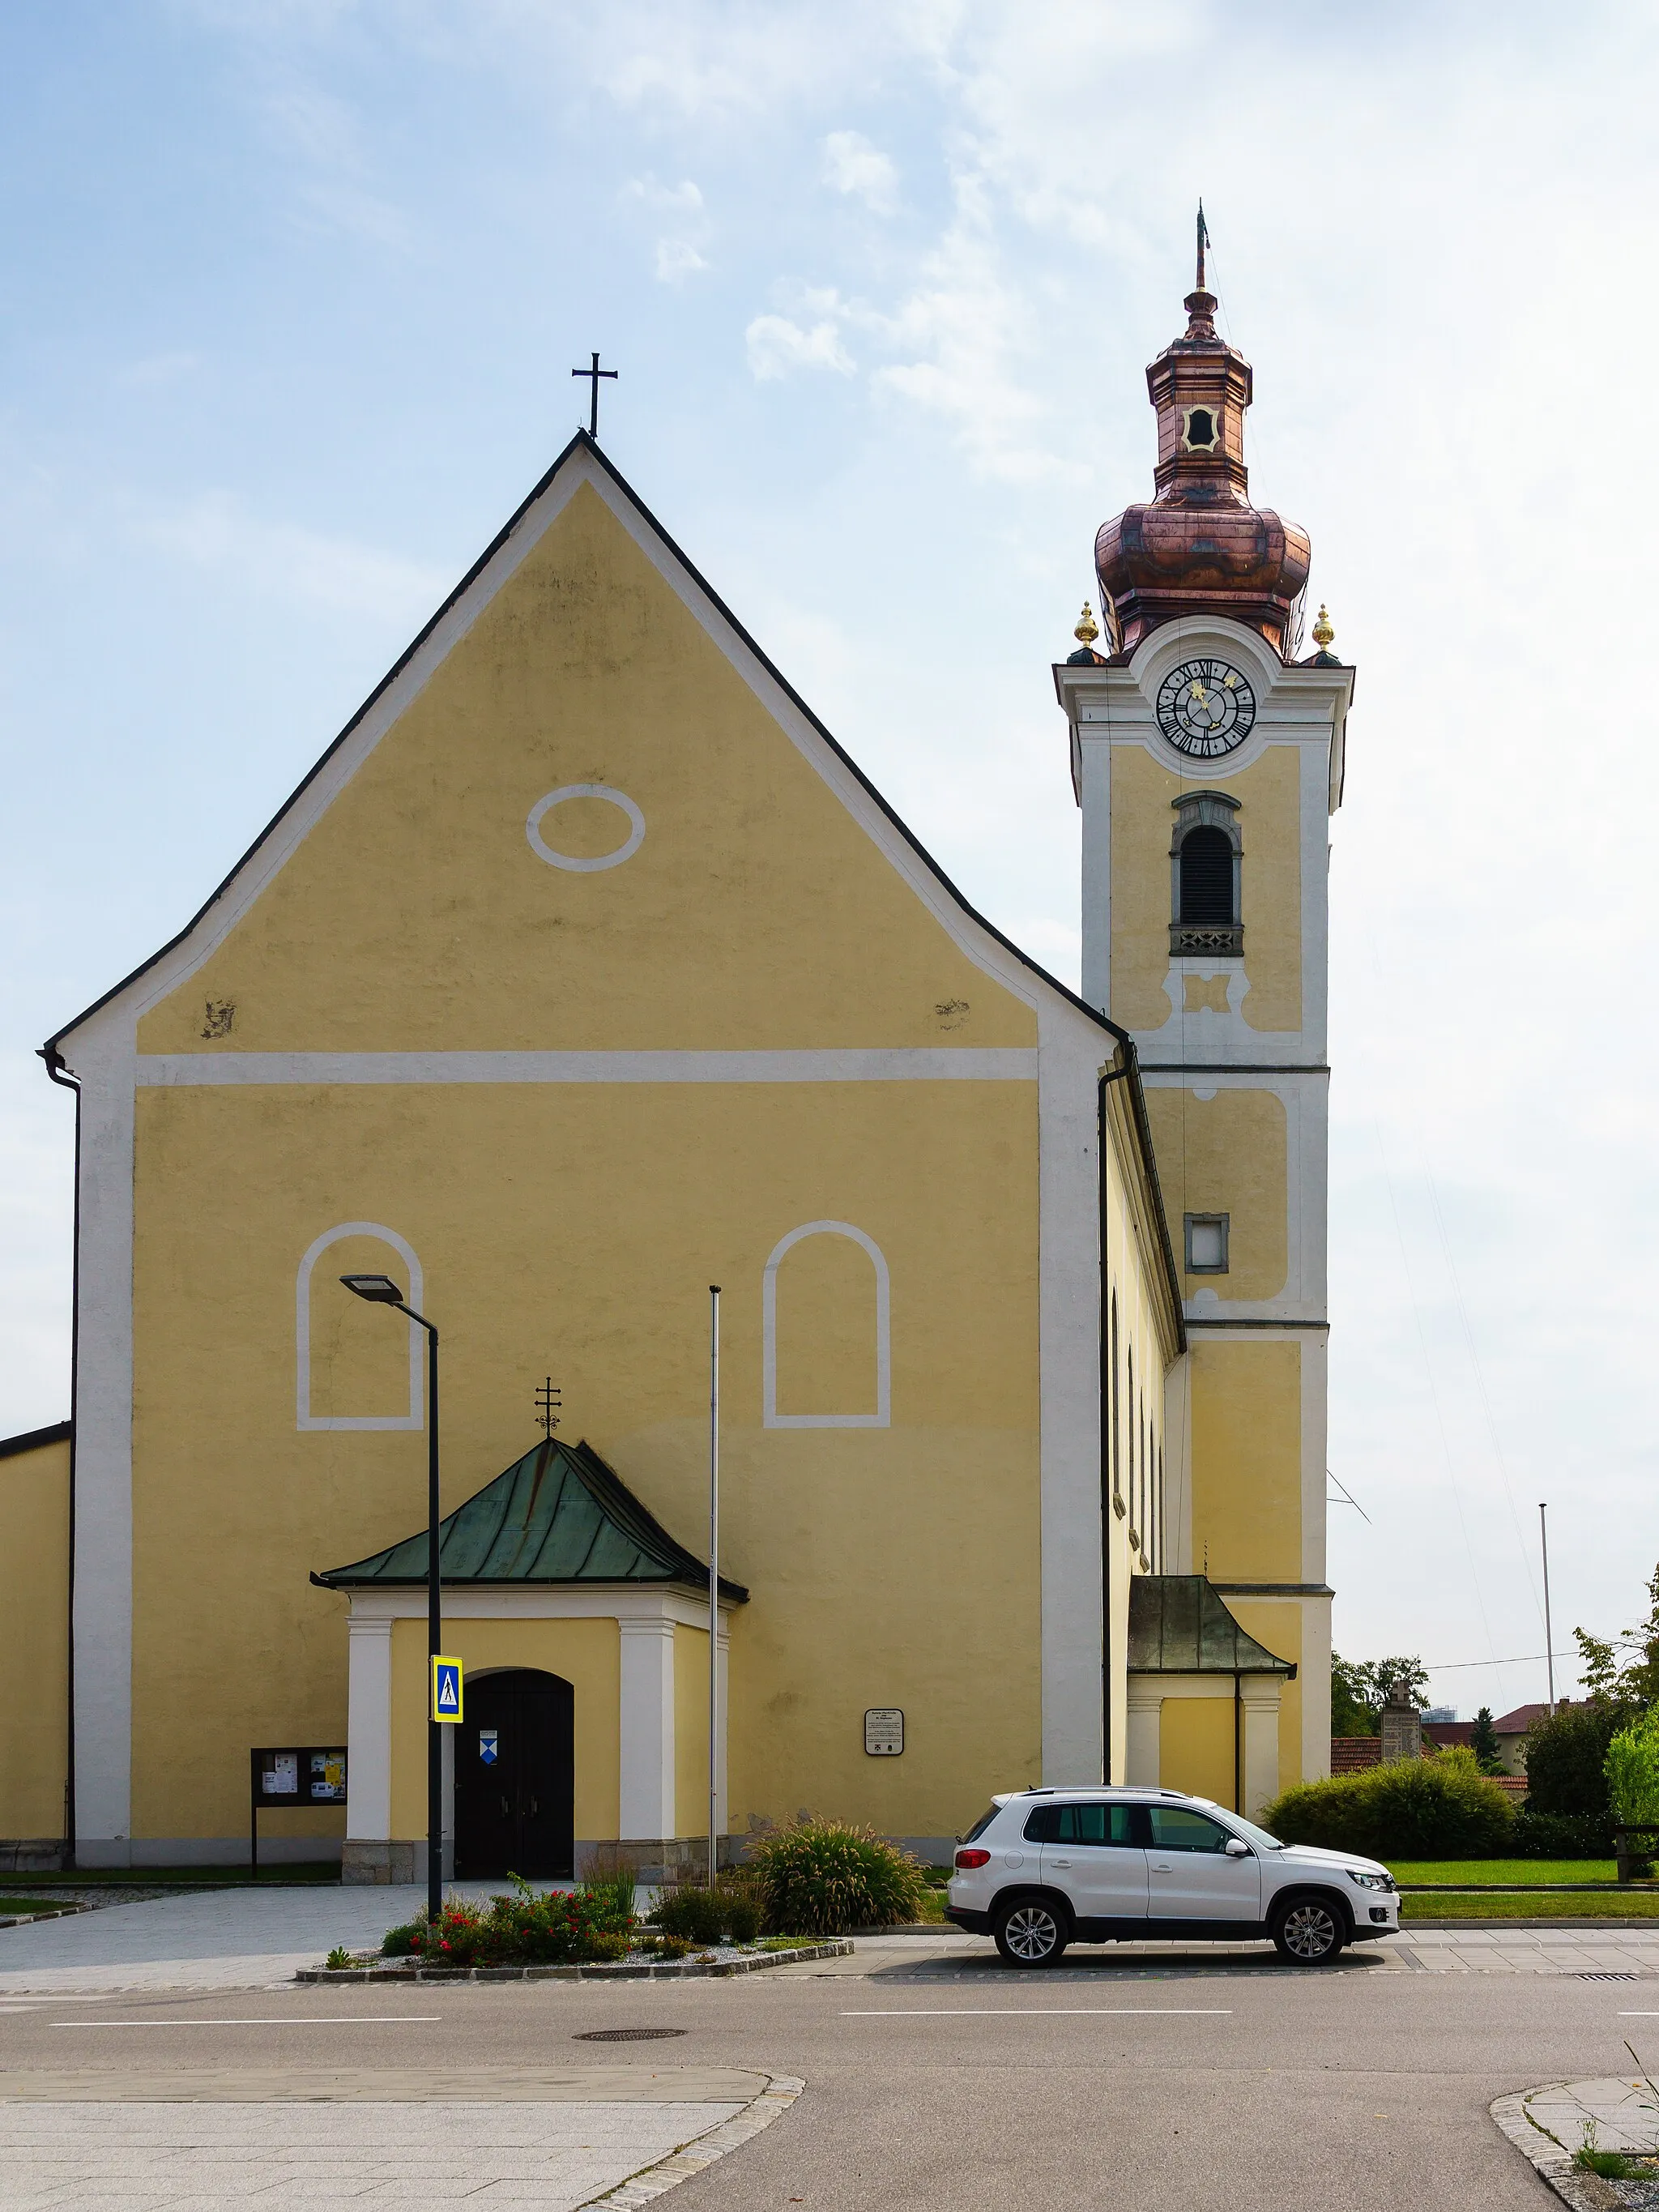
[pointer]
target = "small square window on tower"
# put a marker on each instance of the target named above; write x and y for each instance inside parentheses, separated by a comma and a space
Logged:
(1207, 1243)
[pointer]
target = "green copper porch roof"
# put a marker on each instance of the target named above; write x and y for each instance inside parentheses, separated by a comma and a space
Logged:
(1179, 1625)
(559, 1515)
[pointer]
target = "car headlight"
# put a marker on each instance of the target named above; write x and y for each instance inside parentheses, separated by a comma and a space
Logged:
(1370, 1881)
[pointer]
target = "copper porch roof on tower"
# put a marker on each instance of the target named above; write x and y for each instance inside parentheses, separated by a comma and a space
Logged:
(1200, 547)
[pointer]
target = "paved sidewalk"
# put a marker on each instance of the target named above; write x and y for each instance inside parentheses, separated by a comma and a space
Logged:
(220, 1939)
(551, 2142)
(1547, 2126)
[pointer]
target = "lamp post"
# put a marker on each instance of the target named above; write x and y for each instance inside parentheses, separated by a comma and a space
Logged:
(381, 1291)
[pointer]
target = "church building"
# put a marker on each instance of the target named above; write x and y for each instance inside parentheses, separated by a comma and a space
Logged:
(587, 970)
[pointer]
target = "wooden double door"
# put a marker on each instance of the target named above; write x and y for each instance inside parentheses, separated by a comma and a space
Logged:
(515, 1777)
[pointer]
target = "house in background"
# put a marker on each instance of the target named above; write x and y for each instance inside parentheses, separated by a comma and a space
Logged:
(1512, 1731)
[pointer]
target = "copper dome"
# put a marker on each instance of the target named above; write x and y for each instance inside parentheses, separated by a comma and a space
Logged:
(1199, 547)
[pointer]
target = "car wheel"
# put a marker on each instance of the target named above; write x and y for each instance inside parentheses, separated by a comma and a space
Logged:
(1030, 1932)
(1308, 1931)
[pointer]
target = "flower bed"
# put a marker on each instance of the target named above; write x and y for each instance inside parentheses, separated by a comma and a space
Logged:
(726, 1960)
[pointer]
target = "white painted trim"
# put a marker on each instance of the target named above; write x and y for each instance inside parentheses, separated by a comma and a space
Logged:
(645, 1724)
(877, 1064)
(625, 851)
(103, 1460)
(554, 1601)
(415, 1417)
(368, 1728)
(770, 1417)
(1074, 1559)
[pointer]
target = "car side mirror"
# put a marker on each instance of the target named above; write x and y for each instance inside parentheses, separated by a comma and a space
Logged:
(1237, 1848)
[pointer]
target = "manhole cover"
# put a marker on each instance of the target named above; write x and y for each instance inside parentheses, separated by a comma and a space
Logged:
(642, 2034)
(1607, 1977)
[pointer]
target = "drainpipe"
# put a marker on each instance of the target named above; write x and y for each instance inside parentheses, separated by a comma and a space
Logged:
(59, 1074)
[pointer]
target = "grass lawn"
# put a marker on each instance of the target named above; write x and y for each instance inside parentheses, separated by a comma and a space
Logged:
(1522, 1872)
(206, 1877)
(30, 1905)
(1572, 1904)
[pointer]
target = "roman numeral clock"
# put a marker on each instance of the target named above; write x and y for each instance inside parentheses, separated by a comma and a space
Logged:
(1205, 708)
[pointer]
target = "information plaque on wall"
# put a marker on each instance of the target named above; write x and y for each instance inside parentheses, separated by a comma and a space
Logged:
(884, 1731)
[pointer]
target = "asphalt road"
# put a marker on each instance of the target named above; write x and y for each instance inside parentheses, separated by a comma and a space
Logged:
(1244, 2086)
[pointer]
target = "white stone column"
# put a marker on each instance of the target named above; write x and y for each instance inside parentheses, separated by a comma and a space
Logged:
(369, 1728)
(1142, 1717)
(1259, 1694)
(646, 1807)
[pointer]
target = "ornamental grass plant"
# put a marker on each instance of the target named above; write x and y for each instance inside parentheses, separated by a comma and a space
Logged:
(820, 1877)
(1439, 1808)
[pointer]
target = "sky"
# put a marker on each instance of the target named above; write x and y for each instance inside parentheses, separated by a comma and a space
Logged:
(292, 289)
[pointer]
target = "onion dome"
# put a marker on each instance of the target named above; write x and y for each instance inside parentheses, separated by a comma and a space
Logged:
(1200, 547)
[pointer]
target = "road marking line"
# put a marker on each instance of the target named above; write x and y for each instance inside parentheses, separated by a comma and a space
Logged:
(294, 2019)
(1640, 2015)
(1052, 2011)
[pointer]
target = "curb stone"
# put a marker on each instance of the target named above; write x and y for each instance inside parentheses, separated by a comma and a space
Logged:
(625, 1970)
(1585, 2192)
(780, 2092)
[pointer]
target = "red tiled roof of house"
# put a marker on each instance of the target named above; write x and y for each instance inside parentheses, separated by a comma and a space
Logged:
(1353, 1754)
(1528, 1717)
(1442, 1733)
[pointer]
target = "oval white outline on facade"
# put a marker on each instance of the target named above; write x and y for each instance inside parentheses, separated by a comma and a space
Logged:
(625, 851)
(415, 1418)
(770, 1417)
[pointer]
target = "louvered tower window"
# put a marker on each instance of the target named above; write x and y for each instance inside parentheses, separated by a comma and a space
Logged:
(1207, 877)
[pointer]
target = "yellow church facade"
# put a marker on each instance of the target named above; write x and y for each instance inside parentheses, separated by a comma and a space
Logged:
(585, 971)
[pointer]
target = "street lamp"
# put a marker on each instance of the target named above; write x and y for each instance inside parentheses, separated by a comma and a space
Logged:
(381, 1291)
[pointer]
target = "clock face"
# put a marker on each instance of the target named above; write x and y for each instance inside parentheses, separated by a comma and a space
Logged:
(1205, 708)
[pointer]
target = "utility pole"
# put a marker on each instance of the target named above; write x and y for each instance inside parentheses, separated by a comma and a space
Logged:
(1549, 1640)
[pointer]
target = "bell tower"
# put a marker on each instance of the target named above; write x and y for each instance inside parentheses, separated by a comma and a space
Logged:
(1207, 757)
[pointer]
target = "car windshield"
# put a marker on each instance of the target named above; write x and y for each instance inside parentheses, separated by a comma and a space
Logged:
(980, 1824)
(1253, 1834)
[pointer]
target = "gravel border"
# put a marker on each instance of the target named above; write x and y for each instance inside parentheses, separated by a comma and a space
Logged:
(626, 1970)
(780, 2092)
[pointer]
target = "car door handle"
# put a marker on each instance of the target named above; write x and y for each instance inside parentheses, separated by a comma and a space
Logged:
(1060, 1862)
(1162, 1866)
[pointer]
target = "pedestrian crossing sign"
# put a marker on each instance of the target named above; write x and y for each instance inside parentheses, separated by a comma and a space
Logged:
(446, 1689)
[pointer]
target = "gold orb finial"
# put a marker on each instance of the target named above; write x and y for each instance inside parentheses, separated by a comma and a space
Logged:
(1087, 629)
(1323, 634)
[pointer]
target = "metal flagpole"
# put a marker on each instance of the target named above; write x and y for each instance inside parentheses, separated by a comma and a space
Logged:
(1549, 1640)
(713, 1573)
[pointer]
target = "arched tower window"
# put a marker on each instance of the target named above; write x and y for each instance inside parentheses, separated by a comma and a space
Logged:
(1205, 873)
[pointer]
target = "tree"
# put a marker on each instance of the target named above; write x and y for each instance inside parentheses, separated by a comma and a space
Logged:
(1361, 1687)
(1484, 1743)
(1566, 1759)
(1632, 1682)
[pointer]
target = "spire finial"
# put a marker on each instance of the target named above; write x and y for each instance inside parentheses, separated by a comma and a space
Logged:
(1323, 635)
(1203, 240)
(1087, 629)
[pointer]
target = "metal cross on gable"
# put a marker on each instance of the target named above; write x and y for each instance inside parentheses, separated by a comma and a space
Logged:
(594, 376)
(548, 1403)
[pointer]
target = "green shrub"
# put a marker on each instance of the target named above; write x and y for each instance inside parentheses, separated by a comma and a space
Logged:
(1566, 1760)
(609, 1886)
(1631, 1768)
(693, 1911)
(1560, 1835)
(821, 1877)
(1442, 1808)
(527, 1929)
(743, 1916)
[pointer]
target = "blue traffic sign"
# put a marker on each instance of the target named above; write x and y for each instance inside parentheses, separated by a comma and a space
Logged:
(446, 1689)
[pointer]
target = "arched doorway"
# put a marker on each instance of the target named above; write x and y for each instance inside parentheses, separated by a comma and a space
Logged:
(515, 1777)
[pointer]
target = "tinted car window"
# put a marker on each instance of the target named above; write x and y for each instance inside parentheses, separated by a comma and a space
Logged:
(1174, 1829)
(981, 1824)
(1080, 1824)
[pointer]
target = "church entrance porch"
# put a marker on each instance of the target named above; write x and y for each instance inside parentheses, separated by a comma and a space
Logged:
(515, 1777)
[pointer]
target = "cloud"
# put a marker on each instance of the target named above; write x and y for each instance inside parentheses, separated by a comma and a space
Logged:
(285, 560)
(676, 259)
(679, 254)
(853, 165)
(776, 347)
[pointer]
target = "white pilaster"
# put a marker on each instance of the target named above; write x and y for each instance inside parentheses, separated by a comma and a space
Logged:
(369, 1728)
(646, 1808)
(1141, 1754)
(1258, 1696)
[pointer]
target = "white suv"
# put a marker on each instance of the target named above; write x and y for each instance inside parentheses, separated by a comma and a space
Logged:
(1046, 1867)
